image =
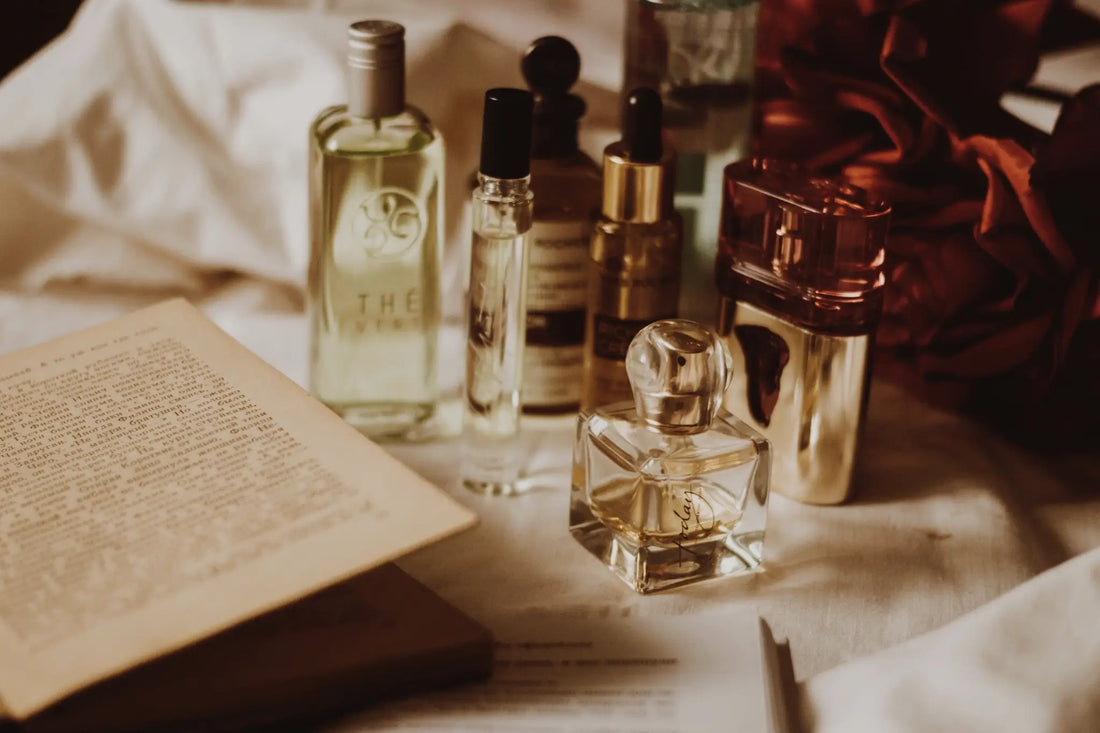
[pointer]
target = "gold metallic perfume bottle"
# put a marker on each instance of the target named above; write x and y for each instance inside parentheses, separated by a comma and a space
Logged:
(671, 489)
(634, 266)
(799, 273)
(567, 190)
(376, 174)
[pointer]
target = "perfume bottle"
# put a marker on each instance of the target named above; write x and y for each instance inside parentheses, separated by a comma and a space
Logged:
(671, 489)
(567, 185)
(699, 55)
(634, 265)
(800, 276)
(501, 210)
(376, 209)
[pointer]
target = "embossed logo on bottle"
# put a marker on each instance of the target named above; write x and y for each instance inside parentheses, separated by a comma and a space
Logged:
(389, 222)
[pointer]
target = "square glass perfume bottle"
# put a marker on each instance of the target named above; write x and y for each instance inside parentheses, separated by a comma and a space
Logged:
(671, 489)
(800, 280)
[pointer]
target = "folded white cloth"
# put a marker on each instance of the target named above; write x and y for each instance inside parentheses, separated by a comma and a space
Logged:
(1027, 662)
(163, 145)
(155, 146)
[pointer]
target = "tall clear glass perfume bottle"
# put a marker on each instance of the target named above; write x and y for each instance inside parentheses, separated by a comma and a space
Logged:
(376, 213)
(671, 489)
(501, 212)
(800, 275)
(634, 265)
(699, 55)
(567, 185)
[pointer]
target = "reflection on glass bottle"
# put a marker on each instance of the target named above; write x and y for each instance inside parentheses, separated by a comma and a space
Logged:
(699, 55)
(766, 354)
(670, 489)
(376, 172)
(567, 185)
(799, 271)
(634, 271)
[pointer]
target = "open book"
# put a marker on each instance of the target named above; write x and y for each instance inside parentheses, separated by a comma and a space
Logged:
(160, 484)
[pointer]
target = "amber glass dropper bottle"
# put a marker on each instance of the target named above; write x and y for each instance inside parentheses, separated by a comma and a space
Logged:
(567, 188)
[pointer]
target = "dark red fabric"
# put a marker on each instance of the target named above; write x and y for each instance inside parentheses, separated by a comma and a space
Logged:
(994, 251)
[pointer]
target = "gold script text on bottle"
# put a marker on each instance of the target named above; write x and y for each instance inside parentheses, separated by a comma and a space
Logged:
(376, 210)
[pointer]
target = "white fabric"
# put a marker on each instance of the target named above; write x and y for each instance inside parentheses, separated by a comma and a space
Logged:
(1030, 661)
(160, 147)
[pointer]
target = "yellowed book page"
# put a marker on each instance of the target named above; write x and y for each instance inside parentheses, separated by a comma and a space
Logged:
(159, 482)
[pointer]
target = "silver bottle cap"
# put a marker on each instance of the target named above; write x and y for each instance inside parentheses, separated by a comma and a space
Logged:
(679, 371)
(376, 68)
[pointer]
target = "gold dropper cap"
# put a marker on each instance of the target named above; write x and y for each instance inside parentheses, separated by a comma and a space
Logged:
(638, 174)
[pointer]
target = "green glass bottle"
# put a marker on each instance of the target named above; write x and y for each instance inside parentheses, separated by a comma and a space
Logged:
(376, 215)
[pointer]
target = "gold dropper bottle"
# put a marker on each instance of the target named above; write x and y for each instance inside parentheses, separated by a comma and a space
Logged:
(635, 257)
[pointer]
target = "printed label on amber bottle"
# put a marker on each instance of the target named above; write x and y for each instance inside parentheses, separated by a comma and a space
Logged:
(612, 336)
(607, 381)
(557, 259)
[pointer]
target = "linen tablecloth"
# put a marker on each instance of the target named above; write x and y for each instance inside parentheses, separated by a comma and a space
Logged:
(159, 148)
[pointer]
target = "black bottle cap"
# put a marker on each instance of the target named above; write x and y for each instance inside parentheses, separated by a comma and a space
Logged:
(551, 66)
(642, 126)
(506, 133)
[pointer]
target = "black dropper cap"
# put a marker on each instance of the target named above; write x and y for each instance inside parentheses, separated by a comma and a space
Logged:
(551, 66)
(506, 133)
(642, 126)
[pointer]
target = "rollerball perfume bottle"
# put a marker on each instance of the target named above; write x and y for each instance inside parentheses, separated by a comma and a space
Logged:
(671, 489)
